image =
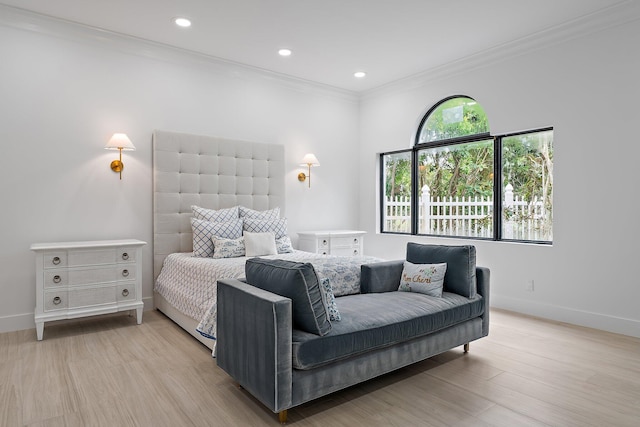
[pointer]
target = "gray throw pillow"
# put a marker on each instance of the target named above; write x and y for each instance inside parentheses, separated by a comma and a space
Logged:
(460, 277)
(297, 281)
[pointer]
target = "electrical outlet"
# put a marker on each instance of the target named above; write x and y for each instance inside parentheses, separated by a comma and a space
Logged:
(529, 285)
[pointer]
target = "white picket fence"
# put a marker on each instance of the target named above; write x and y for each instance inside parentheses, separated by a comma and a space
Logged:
(470, 217)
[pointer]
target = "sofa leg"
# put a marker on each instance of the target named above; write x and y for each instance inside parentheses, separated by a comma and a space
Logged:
(282, 416)
(466, 348)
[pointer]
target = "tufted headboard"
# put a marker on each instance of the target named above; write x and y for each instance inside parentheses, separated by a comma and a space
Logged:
(210, 172)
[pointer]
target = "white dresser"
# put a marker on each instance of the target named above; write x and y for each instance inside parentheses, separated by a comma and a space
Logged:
(332, 242)
(77, 279)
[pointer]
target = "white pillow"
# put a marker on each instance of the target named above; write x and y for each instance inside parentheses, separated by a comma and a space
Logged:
(258, 244)
(261, 215)
(423, 278)
(228, 248)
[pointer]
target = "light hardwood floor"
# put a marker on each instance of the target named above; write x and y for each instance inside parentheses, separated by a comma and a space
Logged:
(108, 371)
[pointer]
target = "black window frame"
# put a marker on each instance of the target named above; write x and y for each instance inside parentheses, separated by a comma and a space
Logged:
(498, 192)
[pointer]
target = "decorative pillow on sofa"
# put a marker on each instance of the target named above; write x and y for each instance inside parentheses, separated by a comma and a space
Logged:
(220, 215)
(258, 244)
(426, 279)
(203, 232)
(276, 226)
(461, 265)
(329, 300)
(283, 245)
(228, 248)
(261, 215)
(297, 281)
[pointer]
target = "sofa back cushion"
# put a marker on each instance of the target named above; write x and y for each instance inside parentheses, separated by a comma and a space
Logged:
(460, 277)
(297, 281)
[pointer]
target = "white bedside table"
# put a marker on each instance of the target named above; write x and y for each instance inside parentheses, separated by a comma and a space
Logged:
(332, 242)
(77, 279)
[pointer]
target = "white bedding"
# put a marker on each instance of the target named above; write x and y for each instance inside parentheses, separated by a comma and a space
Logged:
(188, 283)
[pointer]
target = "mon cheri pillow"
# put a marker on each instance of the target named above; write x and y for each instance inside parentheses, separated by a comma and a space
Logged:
(423, 278)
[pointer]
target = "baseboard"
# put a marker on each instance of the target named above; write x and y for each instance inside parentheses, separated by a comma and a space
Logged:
(19, 322)
(618, 325)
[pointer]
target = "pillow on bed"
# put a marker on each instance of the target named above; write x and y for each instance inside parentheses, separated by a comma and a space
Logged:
(228, 248)
(297, 281)
(283, 245)
(220, 215)
(262, 215)
(276, 226)
(426, 279)
(258, 244)
(203, 231)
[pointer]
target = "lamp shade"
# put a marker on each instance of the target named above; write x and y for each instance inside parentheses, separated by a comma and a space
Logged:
(310, 160)
(120, 141)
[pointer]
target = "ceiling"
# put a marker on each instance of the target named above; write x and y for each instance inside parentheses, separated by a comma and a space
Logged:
(330, 39)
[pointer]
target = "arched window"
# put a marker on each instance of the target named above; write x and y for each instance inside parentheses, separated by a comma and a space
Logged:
(457, 175)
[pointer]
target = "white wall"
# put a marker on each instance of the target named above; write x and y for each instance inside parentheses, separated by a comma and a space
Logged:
(65, 89)
(587, 89)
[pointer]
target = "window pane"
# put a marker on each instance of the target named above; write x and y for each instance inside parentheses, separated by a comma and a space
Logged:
(396, 203)
(527, 173)
(454, 118)
(456, 190)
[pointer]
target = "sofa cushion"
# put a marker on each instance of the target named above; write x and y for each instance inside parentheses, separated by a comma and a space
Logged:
(461, 264)
(377, 320)
(297, 281)
(426, 279)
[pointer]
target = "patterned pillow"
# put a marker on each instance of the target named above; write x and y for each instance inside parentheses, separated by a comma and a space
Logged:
(423, 278)
(203, 231)
(283, 245)
(329, 300)
(258, 244)
(276, 226)
(220, 215)
(228, 248)
(262, 215)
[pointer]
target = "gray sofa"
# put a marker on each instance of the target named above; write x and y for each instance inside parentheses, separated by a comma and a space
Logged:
(285, 356)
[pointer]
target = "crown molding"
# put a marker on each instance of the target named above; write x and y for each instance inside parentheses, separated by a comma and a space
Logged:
(49, 26)
(619, 14)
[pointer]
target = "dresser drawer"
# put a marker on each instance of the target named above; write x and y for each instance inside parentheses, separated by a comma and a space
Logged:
(91, 257)
(56, 300)
(342, 242)
(345, 251)
(90, 296)
(92, 275)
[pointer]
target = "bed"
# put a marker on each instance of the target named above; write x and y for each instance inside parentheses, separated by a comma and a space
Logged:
(217, 174)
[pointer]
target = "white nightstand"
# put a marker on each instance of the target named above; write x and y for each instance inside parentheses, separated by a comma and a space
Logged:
(332, 242)
(77, 279)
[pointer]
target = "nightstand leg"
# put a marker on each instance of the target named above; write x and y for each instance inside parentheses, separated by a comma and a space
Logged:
(139, 315)
(39, 330)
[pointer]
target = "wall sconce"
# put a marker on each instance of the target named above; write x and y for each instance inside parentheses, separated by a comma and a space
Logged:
(308, 160)
(119, 141)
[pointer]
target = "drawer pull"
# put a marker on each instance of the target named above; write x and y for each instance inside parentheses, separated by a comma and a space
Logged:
(125, 256)
(57, 279)
(57, 300)
(125, 273)
(125, 292)
(324, 242)
(56, 260)
(355, 252)
(324, 252)
(355, 241)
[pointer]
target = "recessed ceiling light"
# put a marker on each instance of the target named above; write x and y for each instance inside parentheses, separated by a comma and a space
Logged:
(284, 52)
(359, 74)
(182, 22)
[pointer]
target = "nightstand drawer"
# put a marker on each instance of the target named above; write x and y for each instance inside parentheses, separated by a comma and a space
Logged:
(55, 278)
(126, 292)
(345, 251)
(56, 300)
(342, 242)
(86, 297)
(332, 242)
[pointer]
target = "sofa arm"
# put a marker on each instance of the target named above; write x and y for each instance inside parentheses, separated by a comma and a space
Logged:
(380, 276)
(482, 286)
(254, 341)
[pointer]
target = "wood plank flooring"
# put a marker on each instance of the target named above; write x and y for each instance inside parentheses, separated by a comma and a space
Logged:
(108, 371)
